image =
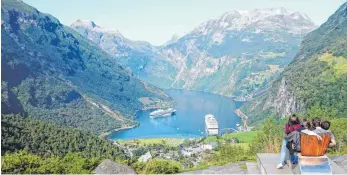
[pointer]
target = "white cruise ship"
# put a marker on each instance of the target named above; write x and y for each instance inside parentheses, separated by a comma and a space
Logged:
(211, 125)
(162, 113)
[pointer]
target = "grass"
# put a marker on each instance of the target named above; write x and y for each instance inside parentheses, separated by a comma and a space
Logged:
(210, 139)
(244, 137)
(201, 166)
(338, 64)
(260, 77)
(165, 141)
(243, 145)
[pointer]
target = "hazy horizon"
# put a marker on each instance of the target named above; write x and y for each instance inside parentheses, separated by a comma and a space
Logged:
(157, 21)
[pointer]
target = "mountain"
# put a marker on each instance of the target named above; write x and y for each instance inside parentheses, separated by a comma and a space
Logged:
(51, 73)
(173, 39)
(139, 57)
(111, 40)
(236, 54)
(315, 80)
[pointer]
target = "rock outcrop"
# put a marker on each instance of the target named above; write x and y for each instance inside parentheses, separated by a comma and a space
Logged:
(110, 167)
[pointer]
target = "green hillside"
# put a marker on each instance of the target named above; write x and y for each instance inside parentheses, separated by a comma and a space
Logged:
(316, 79)
(47, 139)
(52, 73)
(32, 146)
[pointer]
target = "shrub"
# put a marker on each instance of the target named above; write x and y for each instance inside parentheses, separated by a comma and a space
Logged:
(230, 153)
(337, 127)
(161, 166)
(139, 166)
(28, 163)
(269, 139)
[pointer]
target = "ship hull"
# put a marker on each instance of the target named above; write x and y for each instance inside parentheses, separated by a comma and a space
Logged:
(211, 131)
(160, 116)
(162, 113)
(211, 125)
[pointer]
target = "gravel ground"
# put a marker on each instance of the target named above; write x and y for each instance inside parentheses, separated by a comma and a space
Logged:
(340, 160)
(234, 168)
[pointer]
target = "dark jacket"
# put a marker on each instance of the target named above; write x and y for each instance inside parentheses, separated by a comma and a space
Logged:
(293, 139)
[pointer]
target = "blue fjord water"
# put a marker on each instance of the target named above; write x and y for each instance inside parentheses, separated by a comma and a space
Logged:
(189, 121)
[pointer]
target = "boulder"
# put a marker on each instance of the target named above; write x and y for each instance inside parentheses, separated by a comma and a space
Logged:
(110, 167)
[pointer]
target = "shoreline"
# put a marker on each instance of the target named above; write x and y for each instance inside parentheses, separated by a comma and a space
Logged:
(223, 95)
(158, 137)
(243, 118)
(106, 134)
(166, 141)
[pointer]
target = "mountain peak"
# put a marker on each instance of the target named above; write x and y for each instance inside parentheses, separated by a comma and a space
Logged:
(274, 11)
(243, 11)
(173, 39)
(85, 23)
(260, 14)
(265, 19)
(90, 25)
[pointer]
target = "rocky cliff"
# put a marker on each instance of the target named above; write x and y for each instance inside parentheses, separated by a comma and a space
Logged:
(317, 77)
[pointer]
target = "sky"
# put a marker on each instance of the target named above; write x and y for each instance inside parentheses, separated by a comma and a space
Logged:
(156, 21)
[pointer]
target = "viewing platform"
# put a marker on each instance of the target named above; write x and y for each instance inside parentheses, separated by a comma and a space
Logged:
(267, 162)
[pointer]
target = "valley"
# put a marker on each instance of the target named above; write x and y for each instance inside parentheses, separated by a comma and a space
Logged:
(76, 95)
(251, 49)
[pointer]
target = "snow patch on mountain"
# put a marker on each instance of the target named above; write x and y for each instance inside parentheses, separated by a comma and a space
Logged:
(90, 25)
(264, 19)
(218, 38)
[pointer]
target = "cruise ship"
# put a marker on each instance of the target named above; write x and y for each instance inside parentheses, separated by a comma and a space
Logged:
(211, 125)
(162, 113)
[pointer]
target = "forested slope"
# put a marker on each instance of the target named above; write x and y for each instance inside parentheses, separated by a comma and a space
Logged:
(50, 139)
(315, 80)
(32, 146)
(52, 73)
